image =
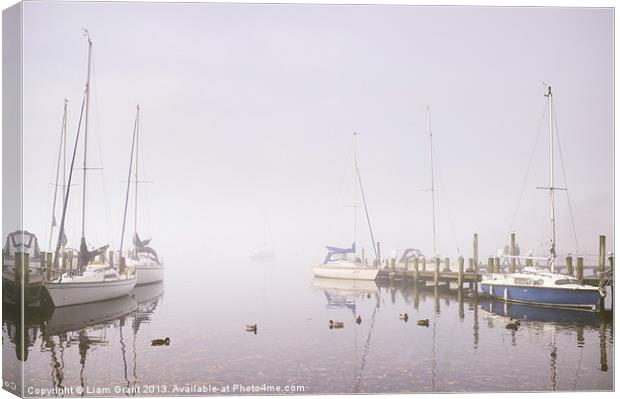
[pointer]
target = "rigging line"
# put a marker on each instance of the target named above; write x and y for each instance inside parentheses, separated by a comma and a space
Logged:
(338, 195)
(570, 206)
(96, 122)
(63, 129)
(527, 172)
(133, 142)
(66, 201)
(445, 198)
(372, 237)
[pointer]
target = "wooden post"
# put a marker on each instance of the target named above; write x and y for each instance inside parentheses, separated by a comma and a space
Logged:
(70, 261)
(476, 250)
(424, 264)
(569, 266)
(461, 264)
(379, 253)
(393, 264)
(580, 269)
(415, 270)
(436, 276)
(48, 265)
(111, 258)
(601, 257)
(26, 272)
(43, 261)
(121, 266)
(470, 265)
(490, 268)
(446, 267)
(498, 268)
(611, 263)
(513, 251)
(19, 270)
(65, 259)
(363, 256)
(529, 262)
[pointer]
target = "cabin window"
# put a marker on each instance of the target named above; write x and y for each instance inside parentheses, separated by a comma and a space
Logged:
(540, 281)
(563, 281)
(524, 281)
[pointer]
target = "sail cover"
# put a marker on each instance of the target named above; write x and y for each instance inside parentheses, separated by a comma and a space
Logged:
(335, 251)
(142, 246)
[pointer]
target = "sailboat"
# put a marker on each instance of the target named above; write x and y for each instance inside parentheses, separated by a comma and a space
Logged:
(336, 263)
(543, 286)
(143, 258)
(92, 281)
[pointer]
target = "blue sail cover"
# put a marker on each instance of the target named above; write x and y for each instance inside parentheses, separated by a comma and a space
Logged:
(335, 250)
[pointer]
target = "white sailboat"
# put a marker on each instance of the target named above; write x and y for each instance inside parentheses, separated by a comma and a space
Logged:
(337, 264)
(142, 258)
(543, 286)
(91, 281)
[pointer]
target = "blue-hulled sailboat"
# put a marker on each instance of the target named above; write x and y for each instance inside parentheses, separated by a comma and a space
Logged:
(543, 286)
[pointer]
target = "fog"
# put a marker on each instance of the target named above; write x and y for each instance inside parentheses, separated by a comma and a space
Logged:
(248, 113)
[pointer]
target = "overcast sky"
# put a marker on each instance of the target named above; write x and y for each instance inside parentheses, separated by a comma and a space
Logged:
(248, 113)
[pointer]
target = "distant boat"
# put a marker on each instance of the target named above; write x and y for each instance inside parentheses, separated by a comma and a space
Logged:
(261, 254)
(337, 264)
(143, 258)
(92, 281)
(543, 286)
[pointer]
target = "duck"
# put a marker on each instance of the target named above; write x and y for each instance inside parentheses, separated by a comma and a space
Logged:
(358, 320)
(513, 325)
(404, 316)
(160, 342)
(424, 322)
(251, 328)
(335, 324)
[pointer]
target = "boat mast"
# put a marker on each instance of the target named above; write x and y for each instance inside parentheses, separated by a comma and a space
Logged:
(61, 152)
(430, 135)
(135, 221)
(551, 178)
(83, 240)
(133, 143)
(355, 187)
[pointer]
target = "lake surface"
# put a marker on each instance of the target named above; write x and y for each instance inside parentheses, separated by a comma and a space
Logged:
(104, 349)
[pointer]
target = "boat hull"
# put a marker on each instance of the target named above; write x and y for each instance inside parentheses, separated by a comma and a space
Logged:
(562, 297)
(348, 273)
(75, 293)
(149, 274)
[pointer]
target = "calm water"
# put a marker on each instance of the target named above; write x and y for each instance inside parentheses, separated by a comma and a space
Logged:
(106, 347)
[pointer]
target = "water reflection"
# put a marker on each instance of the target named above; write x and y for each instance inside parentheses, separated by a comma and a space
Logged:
(466, 346)
(85, 327)
(346, 294)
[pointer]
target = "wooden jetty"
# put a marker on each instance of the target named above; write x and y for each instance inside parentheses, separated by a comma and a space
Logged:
(439, 272)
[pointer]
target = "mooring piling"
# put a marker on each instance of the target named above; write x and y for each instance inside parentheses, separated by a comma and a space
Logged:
(580, 269)
(460, 277)
(513, 251)
(601, 257)
(49, 264)
(476, 250)
(569, 265)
